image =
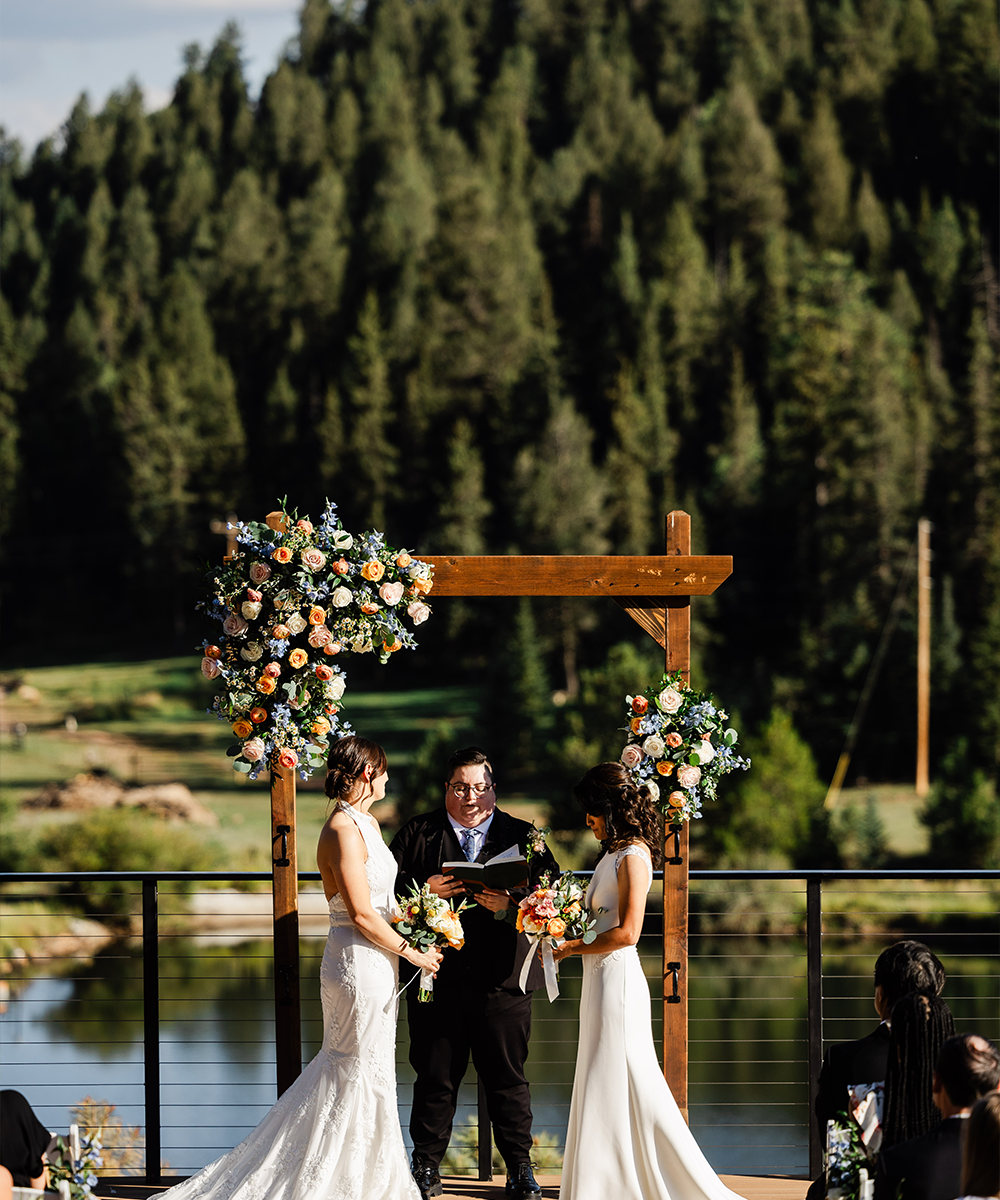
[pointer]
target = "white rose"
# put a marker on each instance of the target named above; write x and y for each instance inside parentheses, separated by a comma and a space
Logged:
(669, 700)
(234, 625)
(251, 651)
(631, 756)
(653, 746)
(250, 610)
(341, 597)
(418, 612)
(705, 752)
(391, 593)
(336, 687)
(654, 791)
(343, 540)
(296, 623)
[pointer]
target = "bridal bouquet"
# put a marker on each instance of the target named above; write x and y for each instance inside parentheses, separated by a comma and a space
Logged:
(291, 599)
(73, 1175)
(427, 920)
(678, 737)
(848, 1162)
(548, 915)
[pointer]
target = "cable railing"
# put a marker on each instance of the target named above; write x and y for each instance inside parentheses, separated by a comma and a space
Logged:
(173, 1020)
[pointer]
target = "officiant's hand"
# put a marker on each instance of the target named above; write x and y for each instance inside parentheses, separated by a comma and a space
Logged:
(446, 886)
(492, 900)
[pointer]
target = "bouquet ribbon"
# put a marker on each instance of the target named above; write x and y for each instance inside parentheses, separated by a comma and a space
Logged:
(549, 965)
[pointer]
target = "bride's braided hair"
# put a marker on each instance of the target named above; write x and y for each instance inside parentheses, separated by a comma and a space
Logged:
(608, 791)
(346, 763)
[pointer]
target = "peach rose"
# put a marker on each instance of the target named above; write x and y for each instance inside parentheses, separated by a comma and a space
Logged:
(259, 572)
(288, 758)
(369, 608)
(317, 615)
(313, 559)
(258, 715)
(253, 751)
(342, 566)
(298, 658)
(242, 728)
(418, 612)
(305, 526)
(321, 726)
(688, 777)
(234, 625)
(403, 560)
(281, 632)
(677, 799)
(254, 596)
(281, 554)
(556, 927)
(210, 667)
(423, 585)
(273, 669)
(319, 636)
(266, 685)
(299, 701)
(391, 593)
(324, 672)
(373, 571)
(666, 767)
(639, 704)
(674, 740)
(332, 648)
(631, 756)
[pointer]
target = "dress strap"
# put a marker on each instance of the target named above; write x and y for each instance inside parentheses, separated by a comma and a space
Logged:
(641, 851)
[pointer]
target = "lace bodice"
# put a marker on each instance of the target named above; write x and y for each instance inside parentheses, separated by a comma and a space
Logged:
(380, 870)
(602, 895)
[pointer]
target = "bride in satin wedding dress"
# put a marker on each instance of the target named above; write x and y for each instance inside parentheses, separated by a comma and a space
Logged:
(626, 1136)
(334, 1135)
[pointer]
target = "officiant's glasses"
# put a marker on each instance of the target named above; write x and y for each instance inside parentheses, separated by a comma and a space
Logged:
(462, 790)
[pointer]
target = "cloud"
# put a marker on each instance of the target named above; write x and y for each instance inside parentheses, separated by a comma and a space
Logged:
(100, 20)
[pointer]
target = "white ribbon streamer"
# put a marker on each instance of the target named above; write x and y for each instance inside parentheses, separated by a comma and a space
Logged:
(549, 965)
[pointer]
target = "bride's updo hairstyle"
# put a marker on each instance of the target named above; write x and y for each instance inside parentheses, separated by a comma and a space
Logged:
(346, 763)
(608, 791)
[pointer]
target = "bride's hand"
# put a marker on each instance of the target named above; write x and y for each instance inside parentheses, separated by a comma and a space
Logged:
(570, 946)
(424, 960)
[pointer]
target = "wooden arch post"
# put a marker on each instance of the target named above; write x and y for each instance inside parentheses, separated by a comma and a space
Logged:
(656, 591)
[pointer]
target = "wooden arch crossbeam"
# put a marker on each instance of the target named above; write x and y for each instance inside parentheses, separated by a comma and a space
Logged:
(656, 591)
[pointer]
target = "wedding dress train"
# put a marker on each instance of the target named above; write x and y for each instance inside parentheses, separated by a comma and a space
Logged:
(626, 1136)
(334, 1135)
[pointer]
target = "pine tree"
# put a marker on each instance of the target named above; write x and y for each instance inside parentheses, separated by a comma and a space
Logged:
(374, 457)
(464, 508)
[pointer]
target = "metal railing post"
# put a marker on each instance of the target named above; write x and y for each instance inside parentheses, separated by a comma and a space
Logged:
(485, 1133)
(151, 1026)
(814, 981)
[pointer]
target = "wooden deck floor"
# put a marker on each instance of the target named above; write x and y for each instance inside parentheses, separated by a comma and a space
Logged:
(750, 1187)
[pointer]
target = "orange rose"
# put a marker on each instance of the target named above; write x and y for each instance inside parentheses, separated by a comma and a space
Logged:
(665, 768)
(288, 758)
(317, 615)
(392, 647)
(639, 704)
(520, 921)
(332, 648)
(273, 669)
(556, 927)
(423, 586)
(298, 658)
(305, 526)
(323, 672)
(258, 715)
(676, 799)
(403, 560)
(635, 724)
(281, 554)
(279, 523)
(281, 631)
(266, 685)
(331, 709)
(342, 566)
(242, 728)
(321, 726)
(213, 652)
(369, 608)
(373, 571)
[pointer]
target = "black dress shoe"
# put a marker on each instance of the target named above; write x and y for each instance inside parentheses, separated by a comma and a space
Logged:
(521, 1183)
(427, 1179)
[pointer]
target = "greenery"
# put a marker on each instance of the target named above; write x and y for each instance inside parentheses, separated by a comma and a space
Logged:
(521, 278)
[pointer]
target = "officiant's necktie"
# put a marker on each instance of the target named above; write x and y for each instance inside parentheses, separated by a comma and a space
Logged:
(469, 839)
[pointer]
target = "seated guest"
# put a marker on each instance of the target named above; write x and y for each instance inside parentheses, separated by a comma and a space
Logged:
(901, 968)
(919, 1026)
(929, 1167)
(981, 1156)
(23, 1141)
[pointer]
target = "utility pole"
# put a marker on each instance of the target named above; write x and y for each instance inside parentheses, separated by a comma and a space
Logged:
(923, 652)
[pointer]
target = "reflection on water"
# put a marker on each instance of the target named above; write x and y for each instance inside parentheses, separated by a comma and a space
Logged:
(65, 1036)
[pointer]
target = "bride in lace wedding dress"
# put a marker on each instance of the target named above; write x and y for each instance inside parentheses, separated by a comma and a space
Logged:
(626, 1136)
(334, 1135)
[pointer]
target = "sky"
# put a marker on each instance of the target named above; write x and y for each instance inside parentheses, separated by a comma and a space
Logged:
(52, 50)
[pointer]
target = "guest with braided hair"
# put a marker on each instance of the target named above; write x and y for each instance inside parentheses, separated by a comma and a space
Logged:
(920, 1026)
(929, 1167)
(626, 1137)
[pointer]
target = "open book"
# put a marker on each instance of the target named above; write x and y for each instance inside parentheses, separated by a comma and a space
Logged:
(502, 871)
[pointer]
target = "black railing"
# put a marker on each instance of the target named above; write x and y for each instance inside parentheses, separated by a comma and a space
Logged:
(150, 883)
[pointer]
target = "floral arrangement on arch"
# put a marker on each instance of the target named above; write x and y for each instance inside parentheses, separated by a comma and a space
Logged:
(292, 598)
(677, 738)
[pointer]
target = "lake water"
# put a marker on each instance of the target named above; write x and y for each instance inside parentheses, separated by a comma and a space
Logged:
(78, 1031)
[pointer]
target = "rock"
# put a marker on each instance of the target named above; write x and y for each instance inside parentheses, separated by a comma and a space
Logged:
(97, 789)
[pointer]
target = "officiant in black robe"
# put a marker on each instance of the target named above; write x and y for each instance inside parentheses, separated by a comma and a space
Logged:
(478, 1008)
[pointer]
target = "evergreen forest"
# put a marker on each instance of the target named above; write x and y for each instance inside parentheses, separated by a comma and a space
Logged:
(520, 277)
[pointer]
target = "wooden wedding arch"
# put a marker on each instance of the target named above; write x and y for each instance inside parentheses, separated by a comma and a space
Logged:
(656, 591)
